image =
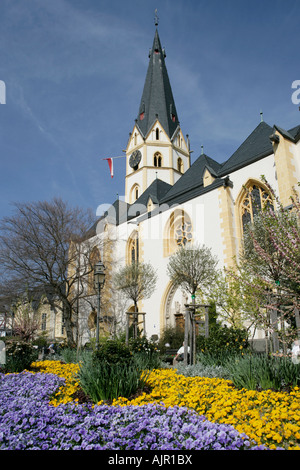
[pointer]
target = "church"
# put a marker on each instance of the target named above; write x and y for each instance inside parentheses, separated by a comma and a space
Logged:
(170, 202)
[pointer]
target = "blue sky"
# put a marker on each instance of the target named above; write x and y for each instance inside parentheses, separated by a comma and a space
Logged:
(74, 72)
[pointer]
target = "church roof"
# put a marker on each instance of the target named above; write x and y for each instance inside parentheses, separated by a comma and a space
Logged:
(191, 182)
(293, 134)
(156, 192)
(256, 146)
(157, 100)
(190, 185)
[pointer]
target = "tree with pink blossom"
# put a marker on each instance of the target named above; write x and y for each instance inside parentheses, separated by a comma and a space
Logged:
(269, 268)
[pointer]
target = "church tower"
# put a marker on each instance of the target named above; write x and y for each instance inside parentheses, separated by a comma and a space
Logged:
(156, 147)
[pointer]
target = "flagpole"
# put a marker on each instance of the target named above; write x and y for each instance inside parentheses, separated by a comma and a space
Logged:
(123, 156)
(111, 165)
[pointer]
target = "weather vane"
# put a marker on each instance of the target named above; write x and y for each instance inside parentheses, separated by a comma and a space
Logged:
(156, 19)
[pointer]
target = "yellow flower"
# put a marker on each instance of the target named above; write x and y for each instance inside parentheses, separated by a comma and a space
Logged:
(267, 417)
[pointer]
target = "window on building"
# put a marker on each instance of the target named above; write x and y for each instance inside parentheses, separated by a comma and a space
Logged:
(183, 232)
(157, 133)
(255, 199)
(134, 193)
(157, 160)
(133, 248)
(178, 232)
(180, 165)
(44, 322)
(93, 259)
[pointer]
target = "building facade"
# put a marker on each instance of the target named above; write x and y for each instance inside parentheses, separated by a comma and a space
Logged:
(170, 203)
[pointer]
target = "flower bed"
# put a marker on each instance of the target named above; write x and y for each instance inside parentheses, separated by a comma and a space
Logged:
(68, 372)
(269, 418)
(29, 422)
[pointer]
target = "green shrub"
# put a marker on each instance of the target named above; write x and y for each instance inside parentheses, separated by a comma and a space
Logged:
(106, 381)
(217, 358)
(223, 339)
(19, 356)
(70, 355)
(263, 372)
(172, 336)
(113, 352)
(145, 352)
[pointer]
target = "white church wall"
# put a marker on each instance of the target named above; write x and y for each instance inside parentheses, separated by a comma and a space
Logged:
(203, 212)
(265, 166)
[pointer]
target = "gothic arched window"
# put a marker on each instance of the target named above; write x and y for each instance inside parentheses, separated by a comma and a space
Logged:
(180, 165)
(93, 259)
(157, 160)
(255, 198)
(134, 193)
(133, 248)
(178, 232)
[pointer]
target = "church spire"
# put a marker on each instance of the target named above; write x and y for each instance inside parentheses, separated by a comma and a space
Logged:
(157, 99)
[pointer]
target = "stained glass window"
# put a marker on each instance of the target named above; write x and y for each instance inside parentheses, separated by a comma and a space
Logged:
(183, 233)
(255, 199)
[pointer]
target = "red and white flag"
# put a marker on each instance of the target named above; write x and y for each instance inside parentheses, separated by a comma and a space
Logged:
(111, 166)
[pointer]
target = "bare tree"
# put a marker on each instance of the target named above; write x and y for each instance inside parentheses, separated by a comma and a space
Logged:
(137, 281)
(40, 245)
(193, 268)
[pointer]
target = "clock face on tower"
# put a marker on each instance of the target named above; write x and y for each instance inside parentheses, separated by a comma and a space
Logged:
(135, 159)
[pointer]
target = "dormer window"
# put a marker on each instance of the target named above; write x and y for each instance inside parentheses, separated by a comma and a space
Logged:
(157, 133)
(150, 205)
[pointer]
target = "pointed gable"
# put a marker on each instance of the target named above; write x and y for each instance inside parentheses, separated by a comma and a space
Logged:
(157, 99)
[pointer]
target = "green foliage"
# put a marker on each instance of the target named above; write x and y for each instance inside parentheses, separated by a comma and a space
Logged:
(172, 336)
(223, 340)
(113, 352)
(202, 370)
(19, 356)
(263, 372)
(142, 344)
(146, 352)
(104, 381)
(216, 358)
(71, 355)
(116, 369)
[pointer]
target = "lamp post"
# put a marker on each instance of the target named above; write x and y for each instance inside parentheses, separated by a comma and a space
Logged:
(99, 280)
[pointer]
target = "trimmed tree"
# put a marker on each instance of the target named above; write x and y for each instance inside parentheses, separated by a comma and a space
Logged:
(137, 281)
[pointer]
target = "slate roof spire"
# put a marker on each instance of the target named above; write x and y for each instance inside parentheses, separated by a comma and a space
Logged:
(157, 99)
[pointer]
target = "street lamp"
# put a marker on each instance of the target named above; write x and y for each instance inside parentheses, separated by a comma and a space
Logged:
(99, 280)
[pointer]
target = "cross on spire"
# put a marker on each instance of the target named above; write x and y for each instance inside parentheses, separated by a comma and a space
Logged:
(156, 19)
